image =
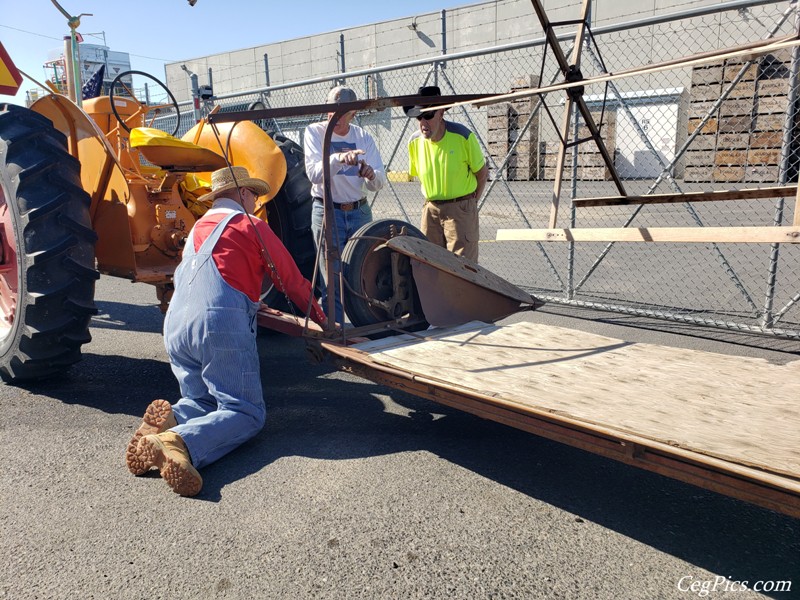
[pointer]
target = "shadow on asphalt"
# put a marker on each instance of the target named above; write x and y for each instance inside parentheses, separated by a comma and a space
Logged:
(314, 412)
(128, 317)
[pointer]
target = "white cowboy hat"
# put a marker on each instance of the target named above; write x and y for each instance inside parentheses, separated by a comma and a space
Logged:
(230, 178)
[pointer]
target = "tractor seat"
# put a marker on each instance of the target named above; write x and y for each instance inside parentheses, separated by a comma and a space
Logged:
(172, 154)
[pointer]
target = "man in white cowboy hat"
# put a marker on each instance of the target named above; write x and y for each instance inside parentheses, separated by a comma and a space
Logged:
(452, 171)
(210, 336)
(356, 167)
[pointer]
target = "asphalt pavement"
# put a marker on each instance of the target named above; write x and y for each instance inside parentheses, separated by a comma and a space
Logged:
(353, 490)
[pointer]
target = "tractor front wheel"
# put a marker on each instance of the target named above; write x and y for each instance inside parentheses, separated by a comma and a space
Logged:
(47, 268)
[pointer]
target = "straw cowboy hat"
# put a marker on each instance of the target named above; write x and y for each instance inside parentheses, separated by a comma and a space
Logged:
(230, 178)
(428, 90)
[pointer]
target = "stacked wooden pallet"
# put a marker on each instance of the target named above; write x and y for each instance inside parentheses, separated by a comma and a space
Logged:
(742, 141)
(591, 166)
(506, 125)
(497, 126)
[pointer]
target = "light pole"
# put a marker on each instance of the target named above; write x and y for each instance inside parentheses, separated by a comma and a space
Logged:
(195, 93)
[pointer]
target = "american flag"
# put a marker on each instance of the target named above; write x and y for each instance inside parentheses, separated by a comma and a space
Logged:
(94, 85)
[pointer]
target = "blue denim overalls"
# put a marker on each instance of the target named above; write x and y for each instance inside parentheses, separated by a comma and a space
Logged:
(210, 337)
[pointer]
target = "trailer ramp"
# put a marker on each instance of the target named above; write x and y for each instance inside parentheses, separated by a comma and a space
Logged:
(725, 423)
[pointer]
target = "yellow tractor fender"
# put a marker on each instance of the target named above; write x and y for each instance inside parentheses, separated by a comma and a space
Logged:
(244, 144)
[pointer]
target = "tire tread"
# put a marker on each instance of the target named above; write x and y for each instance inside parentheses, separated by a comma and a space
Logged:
(42, 188)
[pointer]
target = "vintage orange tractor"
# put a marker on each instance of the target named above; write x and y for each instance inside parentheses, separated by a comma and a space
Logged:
(95, 189)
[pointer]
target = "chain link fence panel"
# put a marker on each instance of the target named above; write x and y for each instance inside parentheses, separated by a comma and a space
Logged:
(730, 124)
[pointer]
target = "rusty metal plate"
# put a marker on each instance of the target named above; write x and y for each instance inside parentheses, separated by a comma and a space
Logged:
(454, 290)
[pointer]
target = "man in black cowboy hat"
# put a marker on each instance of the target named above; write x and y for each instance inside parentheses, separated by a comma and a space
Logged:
(451, 168)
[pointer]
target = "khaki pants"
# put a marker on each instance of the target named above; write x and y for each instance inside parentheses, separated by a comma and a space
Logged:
(453, 225)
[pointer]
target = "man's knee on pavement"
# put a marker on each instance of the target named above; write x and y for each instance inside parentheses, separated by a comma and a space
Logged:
(253, 420)
(259, 419)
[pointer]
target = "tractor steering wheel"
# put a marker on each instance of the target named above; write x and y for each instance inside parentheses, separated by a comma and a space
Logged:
(146, 111)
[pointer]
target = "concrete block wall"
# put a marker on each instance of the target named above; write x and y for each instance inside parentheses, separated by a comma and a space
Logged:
(468, 27)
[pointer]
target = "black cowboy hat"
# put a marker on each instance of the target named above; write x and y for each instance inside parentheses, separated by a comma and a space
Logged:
(428, 90)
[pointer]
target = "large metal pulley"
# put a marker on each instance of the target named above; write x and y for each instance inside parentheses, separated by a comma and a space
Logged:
(392, 272)
(378, 282)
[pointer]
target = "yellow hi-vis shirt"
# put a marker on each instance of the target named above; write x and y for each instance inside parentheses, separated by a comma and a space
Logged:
(446, 169)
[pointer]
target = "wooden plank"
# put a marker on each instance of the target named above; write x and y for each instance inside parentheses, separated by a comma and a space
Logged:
(747, 51)
(709, 75)
(725, 423)
(730, 157)
(734, 141)
(729, 174)
(764, 139)
(560, 161)
(754, 173)
(713, 196)
(719, 405)
(769, 123)
(750, 235)
(669, 464)
(796, 221)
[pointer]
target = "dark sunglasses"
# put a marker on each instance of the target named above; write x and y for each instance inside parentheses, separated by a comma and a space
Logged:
(427, 115)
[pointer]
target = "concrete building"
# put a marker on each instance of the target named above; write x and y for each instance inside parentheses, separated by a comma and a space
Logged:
(498, 46)
(416, 37)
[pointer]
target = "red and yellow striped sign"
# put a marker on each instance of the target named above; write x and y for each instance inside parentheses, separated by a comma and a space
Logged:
(10, 79)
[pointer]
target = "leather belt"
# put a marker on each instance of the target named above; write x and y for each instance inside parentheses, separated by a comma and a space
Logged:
(459, 199)
(345, 205)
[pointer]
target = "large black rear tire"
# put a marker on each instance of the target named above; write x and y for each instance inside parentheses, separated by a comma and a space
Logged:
(47, 272)
(289, 215)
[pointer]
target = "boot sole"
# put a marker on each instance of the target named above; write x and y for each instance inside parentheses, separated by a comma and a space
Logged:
(182, 478)
(155, 420)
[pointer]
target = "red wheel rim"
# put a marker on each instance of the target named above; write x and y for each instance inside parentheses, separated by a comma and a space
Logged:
(9, 271)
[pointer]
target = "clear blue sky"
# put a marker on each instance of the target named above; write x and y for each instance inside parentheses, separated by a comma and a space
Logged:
(157, 31)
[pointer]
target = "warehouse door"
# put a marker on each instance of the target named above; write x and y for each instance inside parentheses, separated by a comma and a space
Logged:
(634, 158)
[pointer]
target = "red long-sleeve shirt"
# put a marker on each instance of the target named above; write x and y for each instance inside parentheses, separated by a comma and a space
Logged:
(239, 257)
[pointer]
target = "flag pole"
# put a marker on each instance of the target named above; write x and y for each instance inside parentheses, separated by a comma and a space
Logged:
(72, 58)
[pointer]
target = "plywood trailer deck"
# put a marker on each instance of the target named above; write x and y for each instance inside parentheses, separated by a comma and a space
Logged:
(724, 423)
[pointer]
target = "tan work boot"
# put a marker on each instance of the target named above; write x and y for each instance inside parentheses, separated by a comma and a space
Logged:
(157, 418)
(168, 452)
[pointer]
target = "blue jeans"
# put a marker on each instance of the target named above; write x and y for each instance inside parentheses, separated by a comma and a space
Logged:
(347, 223)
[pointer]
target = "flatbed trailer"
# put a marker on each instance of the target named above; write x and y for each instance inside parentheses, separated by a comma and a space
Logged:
(728, 424)
(725, 423)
